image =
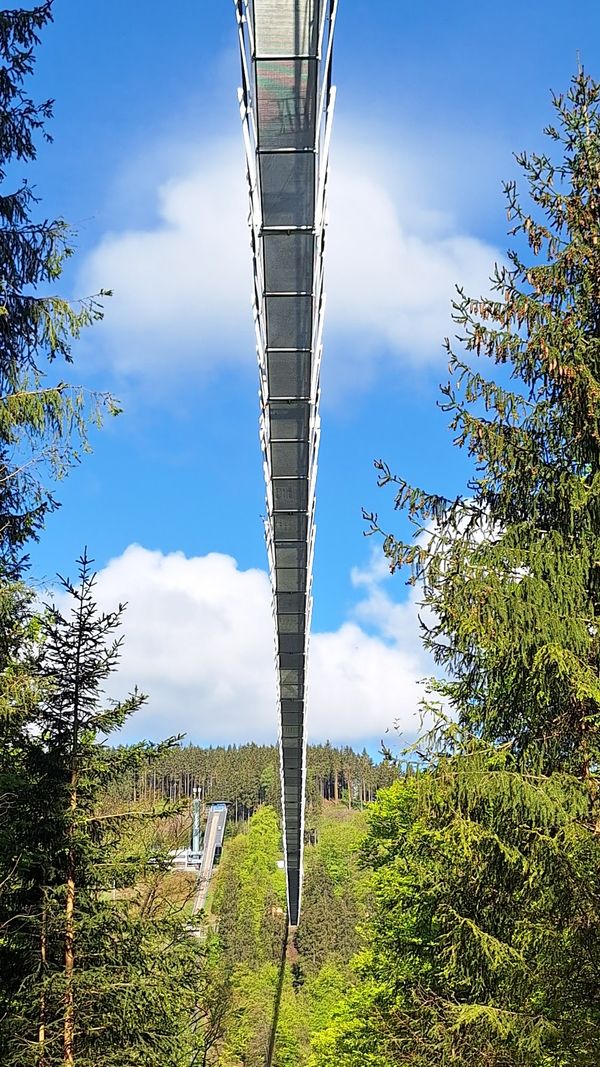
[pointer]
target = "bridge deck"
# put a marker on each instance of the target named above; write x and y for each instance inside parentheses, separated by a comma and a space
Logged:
(285, 103)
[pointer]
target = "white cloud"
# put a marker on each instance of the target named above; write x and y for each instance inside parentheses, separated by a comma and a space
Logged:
(393, 262)
(199, 640)
(396, 621)
(361, 686)
(182, 285)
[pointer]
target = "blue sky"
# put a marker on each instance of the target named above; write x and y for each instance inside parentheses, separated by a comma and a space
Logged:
(147, 164)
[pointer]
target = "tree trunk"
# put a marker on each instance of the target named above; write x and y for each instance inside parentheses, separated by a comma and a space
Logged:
(43, 956)
(69, 1016)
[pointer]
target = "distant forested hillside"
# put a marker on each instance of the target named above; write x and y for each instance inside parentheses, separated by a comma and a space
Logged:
(247, 776)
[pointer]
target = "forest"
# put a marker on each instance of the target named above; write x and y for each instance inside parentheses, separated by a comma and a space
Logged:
(247, 776)
(451, 899)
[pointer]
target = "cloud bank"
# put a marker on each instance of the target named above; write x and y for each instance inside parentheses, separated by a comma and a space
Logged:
(199, 640)
(182, 284)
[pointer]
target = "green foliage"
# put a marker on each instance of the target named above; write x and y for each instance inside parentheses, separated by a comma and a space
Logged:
(95, 968)
(511, 572)
(339, 840)
(483, 941)
(248, 908)
(323, 993)
(332, 894)
(248, 776)
(249, 904)
(482, 944)
(250, 893)
(352, 1035)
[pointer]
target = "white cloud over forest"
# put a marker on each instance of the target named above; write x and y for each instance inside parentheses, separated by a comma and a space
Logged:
(199, 639)
(182, 284)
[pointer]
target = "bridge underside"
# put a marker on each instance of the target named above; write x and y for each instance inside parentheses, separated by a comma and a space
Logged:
(286, 105)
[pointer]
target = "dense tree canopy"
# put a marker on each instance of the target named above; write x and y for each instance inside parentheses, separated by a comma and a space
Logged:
(247, 776)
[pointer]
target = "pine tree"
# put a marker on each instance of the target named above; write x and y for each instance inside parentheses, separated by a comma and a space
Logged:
(317, 937)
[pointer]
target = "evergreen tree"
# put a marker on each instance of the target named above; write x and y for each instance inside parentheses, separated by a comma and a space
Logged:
(250, 894)
(484, 940)
(94, 970)
(511, 572)
(42, 422)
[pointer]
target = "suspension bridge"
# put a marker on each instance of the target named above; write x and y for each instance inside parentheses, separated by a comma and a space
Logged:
(286, 105)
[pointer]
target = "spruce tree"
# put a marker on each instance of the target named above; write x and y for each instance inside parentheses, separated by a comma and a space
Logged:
(94, 971)
(483, 944)
(42, 417)
(511, 571)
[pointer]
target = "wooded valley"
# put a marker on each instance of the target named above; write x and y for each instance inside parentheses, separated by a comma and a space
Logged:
(451, 898)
